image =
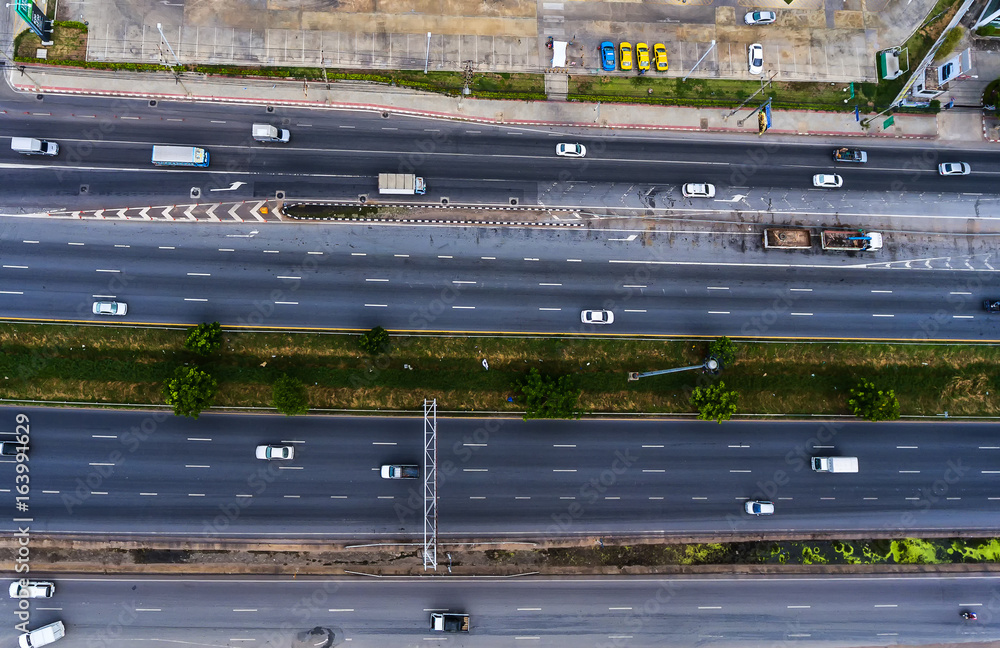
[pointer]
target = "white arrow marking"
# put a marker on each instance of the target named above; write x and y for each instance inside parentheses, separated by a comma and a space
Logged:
(211, 212)
(736, 198)
(232, 187)
(631, 237)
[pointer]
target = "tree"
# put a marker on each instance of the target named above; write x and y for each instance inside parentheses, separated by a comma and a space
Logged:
(714, 402)
(204, 339)
(289, 396)
(873, 404)
(724, 350)
(190, 391)
(375, 341)
(549, 396)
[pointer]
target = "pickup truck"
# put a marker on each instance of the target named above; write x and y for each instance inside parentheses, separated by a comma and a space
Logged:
(31, 589)
(400, 472)
(851, 240)
(835, 464)
(449, 622)
(850, 155)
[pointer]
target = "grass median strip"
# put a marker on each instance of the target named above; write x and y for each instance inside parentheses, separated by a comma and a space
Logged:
(130, 365)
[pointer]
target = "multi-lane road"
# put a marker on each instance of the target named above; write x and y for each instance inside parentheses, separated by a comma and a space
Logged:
(127, 473)
(723, 612)
(482, 279)
(106, 145)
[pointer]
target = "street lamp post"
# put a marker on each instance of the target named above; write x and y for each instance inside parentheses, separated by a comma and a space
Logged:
(710, 48)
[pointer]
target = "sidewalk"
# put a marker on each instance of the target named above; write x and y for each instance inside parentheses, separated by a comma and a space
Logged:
(371, 97)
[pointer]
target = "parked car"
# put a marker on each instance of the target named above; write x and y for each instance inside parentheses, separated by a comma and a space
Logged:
(954, 168)
(31, 589)
(660, 57)
(597, 317)
(571, 150)
(759, 507)
(275, 452)
(607, 56)
(698, 190)
(828, 181)
(110, 308)
(755, 58)
(992, 305)
(760, 17)
(642, 56)
(625, 55)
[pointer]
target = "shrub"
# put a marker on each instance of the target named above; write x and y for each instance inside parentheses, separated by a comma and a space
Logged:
(949, 43)
(549, 396)
(375, 341)
(289, 396)
(190, 391)
(873, 404)
(204, 339)
(724, 350)
(714, 402)
(987, 30)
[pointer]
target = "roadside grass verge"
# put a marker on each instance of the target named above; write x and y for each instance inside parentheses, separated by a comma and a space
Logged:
(126, 365)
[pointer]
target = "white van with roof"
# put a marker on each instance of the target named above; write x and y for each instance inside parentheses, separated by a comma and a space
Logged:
(32, 146)
(43, 636)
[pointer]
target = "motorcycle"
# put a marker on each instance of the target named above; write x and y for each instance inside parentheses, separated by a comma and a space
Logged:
(969, 616)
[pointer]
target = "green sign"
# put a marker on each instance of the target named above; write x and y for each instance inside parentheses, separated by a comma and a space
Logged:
(888, 122)
(32, 15)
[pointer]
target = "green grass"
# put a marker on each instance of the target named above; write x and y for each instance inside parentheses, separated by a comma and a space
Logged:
(129, 365)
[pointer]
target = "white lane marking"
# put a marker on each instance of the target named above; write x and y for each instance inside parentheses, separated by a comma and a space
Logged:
(475, 445)
(445, 256)
(740, 445)
(388, 443)
(802, 314)
(148, 610)
(199, 274)
(34, 242)
(718, 312)
(226, 250)
(284, 303)
(567, 498)
(488, 258)
(655, 498)
(75, 244)
(359, 254)
(287, 277)
(149, 494)
(550, 309)
(709, 607)
(314, 253)
(244, 609)
(652, 446)
(98, 463)
(196, 466)
(45, 492)
(194, 299)
(243, 495)
(881, 315)
(959, 292)
(462, 282)
(653, 470)
(739, 471)
(196, 494)
(962, 316)
(529, 609)
(475, 469)
(886, 605)
(798, 607)
(167, 247)
(341, 610)
(292, 496)
(386, 497)
(16, 267)
(800, 289)
(882, 291)
(989, 447)
(289, 467)
(477, 497)
(619, 608)
(402, 256)
(100, 270)
(574, 260)
(464, 307)
(378, 280)
(643, 310)
(11, 292)
(524, 498)
(98, 492)
(564, 470)
(541, 284)
(530, 259)
(216, 121)
(563, 445)
(633, 285)
(377, 305)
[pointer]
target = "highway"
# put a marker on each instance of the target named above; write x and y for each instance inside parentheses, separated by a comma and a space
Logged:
(106, 146)
(641, 611)
(488, 280)
(142, 474)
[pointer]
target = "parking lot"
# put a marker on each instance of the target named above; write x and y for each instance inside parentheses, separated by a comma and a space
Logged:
(812, 42)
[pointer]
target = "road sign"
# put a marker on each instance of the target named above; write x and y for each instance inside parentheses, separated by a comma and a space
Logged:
(857, 115)
(761, 123)
(888, 122)
(35, 18)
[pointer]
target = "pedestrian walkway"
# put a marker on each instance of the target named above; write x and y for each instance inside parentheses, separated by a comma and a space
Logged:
(374, 97)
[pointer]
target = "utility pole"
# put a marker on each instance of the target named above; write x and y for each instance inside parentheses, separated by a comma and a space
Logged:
(711, 47)
(710, 366)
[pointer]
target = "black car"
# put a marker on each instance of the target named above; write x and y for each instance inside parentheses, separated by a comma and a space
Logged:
(992, 305)
(8, 449)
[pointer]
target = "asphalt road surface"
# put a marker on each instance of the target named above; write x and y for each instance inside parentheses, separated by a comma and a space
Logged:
(562, 612)
(125, 473)
(106, 146)
(456, 279)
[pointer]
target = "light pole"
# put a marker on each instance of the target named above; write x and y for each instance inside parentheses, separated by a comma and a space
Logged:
(711, 47)
(427, 57)
(159, 28)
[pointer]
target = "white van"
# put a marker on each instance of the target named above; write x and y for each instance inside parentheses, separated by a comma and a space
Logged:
(32, 146)
(31, 589)
(268, 133)
(43, 636)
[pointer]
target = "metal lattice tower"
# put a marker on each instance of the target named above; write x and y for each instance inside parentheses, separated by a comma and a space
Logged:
(430, 484)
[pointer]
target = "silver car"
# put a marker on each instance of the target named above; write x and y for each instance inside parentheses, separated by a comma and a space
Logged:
(275, 452)
(698, 190)
(954, 168)
(110, 308)
(755, 58)
(597, 317)
(828, 181)
(571, 150)
(759, 507)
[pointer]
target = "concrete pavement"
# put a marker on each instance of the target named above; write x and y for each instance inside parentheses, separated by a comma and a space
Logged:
(364, 96)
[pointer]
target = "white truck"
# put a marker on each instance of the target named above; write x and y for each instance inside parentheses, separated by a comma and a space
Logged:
(835, 464)
(25, 588)
(851, 240)
(179, 156)
(401, 184)
(268, 133)
(32, 146)
(396, 471)
(43, 636)
(449, 622)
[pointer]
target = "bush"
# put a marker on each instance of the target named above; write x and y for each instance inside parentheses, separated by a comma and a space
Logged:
(289, 396)
(204, 339)
(375, 341)
(190, 391)
(986, 30)
(873, 404)
(549, 397)
(949, 43)
(714, 402)
(724, 350)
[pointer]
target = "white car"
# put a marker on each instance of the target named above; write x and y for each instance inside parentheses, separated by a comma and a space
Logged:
(760, 17)
(110, 308)
(571, 150)
(828, 181)
(759, 507)
(755, 58)
(597, 317)
(31, 589)
(42, 636)
(698, 190)
(954, 168)
(275, 452)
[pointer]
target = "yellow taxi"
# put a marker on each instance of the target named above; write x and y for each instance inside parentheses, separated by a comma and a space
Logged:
(660, 57)
(625, 54)
(642, 56)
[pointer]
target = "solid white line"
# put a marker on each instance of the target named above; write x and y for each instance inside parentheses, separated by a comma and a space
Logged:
(798, 607)
(195, 300)
(475, 445)
(148, 609)
(907, 447)
(464, 307)
(653, 470)
(199, 274)
(718, 312)
(550, 309)
(564, 470)
(709, 607)
(885, 605)
(245, 610)
(962, 316)
(377, 305)
(101, 464)
(376, 280)
(16, 267)
(619, 608)
(958, 292)
(475, 469)
(635, 311)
